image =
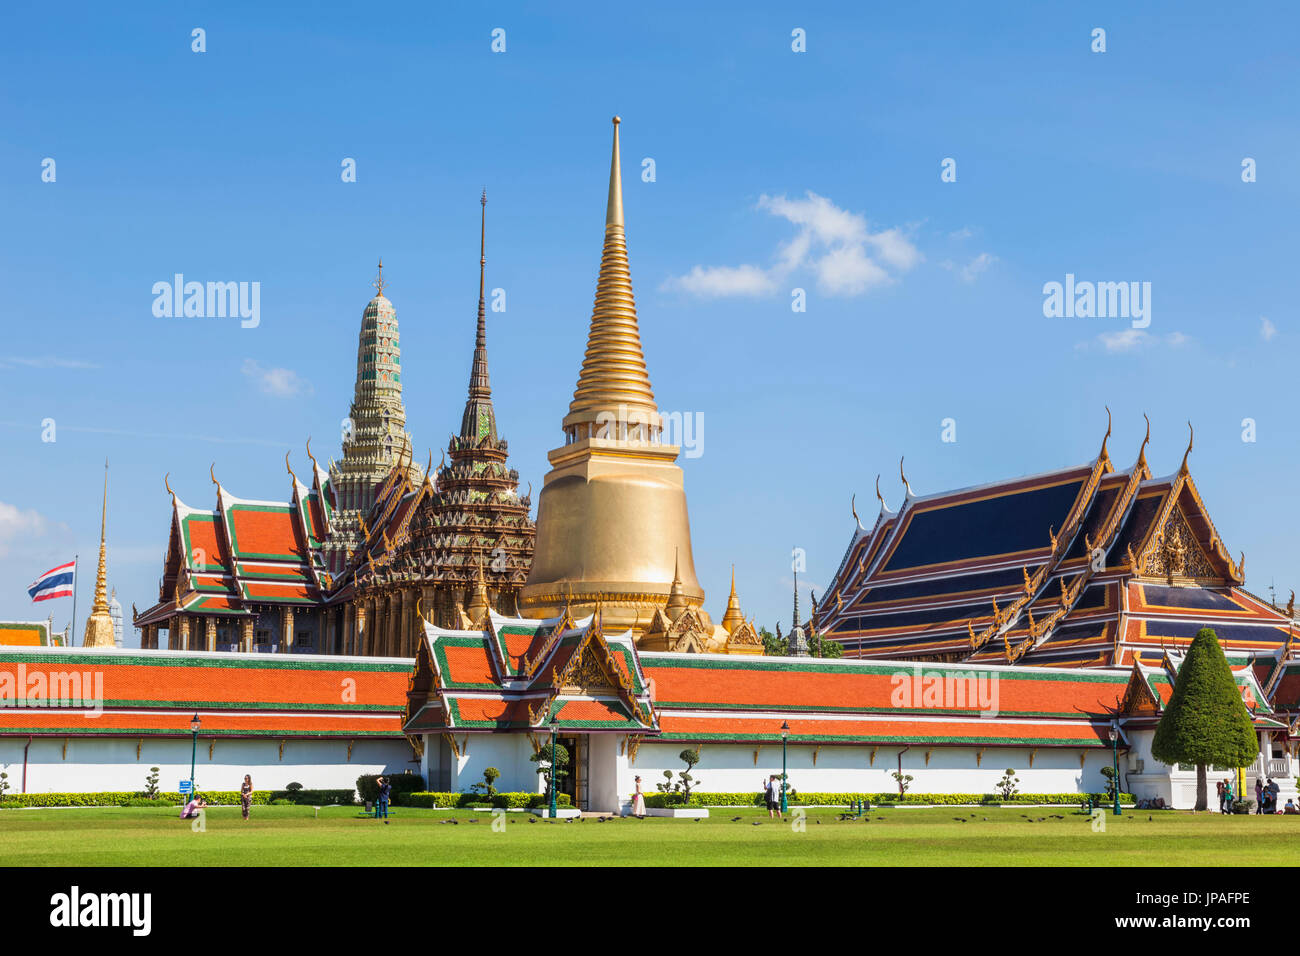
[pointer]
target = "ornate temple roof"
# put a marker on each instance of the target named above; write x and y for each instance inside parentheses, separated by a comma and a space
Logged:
(244, 552)
(154, 693)
(1081, 566)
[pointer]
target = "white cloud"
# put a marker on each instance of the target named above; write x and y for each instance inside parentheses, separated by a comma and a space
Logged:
(965, 232)
(1131, 340)
(18, 524)
(1266, 329)
(717, 281)
(280, 382)
(971, 270)
(835, 245)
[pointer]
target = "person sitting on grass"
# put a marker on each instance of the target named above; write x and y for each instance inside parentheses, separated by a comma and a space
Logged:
(191, 809)
(1290, 807)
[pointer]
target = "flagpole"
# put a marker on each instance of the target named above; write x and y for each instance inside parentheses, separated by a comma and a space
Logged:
(73, 636)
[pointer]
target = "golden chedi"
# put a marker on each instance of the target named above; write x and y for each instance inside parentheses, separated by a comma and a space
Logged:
(612, 525)
(99, 626)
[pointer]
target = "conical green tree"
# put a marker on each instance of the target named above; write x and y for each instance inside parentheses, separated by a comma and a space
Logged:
(1206, 721)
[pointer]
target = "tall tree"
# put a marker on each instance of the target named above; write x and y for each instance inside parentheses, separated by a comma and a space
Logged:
(1206, 721)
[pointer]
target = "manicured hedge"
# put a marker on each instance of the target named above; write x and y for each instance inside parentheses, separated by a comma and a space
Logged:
(402, 784)
(809, 799)
(317, 798)
(509, 801)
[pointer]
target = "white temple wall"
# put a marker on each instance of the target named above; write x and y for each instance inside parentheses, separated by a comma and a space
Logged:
(509, 753)
(110, 764)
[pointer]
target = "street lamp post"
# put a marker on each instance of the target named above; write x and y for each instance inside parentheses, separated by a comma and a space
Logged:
(785, 733)
(553, 769)
(195, 724)
(1114, 750)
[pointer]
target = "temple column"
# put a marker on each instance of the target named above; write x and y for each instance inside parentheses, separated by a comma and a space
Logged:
(210, 634)
(384, 633)
(246, 635)
(404, 623)
(286, 631)
(428, 596)
(365, 618)
(184, 637)
(350, 628)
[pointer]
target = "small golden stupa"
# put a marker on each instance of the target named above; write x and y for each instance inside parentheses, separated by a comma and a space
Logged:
(99, 626)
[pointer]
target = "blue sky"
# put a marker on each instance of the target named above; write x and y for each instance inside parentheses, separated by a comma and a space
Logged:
(774, 170)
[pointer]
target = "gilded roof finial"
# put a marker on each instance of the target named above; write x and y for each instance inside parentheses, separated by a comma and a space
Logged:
(379, 279)
(904, 477)
(733, 616)
(879, 496)
(853, 506)
(315, 466)
(1142, 452)
(289, 468)
(1191, 437)
(1103, 454)
(213, 475)
(167, 484)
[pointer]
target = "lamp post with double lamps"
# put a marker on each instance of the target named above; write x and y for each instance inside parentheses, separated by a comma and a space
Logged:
(785, 733)
(195, 724)
(1114, 751)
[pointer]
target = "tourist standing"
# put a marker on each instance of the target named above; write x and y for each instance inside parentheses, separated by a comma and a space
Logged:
(773, 794)
(385, 791)
(246, 796)
(638, 801)
(1218, 787)
(1259, 796)
(1228, 795)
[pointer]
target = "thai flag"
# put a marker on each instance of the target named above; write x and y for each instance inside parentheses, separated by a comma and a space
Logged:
(54, 583)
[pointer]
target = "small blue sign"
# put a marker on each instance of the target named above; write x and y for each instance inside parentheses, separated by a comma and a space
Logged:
(185, 786)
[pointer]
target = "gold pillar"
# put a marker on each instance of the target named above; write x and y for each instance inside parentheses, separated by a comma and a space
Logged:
(286, 631)
(365, 616)
(183, 644)
(246, 634)
(210, 633)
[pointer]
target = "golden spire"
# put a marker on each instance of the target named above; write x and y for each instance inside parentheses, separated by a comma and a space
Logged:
(676, 599)
(478, 602)
(379, 280)
(614, 372)
(732, 617)
(99, 626)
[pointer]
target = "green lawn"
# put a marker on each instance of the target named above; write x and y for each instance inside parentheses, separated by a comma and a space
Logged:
(898, 837)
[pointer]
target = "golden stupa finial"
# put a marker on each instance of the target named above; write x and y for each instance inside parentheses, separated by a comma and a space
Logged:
(1191, 437)
(614, 378)
(378, 283)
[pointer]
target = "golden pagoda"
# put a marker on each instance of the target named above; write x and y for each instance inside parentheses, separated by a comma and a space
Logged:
(99, 626)
(612, 524)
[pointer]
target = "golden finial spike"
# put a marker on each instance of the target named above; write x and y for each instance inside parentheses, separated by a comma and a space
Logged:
(1142, 453)
(213, 474)
(379, 279)
(613, 379)
(614, 208)
(1106, 437)
(289, 468)
(167, 484)
(904, 477)
(879, 496)
(853, 506)
(1191, 437)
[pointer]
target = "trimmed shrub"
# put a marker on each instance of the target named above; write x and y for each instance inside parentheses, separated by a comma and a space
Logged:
(505, 801)
(810, 799)
(402, 784)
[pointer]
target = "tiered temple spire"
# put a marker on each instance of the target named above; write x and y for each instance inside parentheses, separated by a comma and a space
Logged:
(99, 626)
